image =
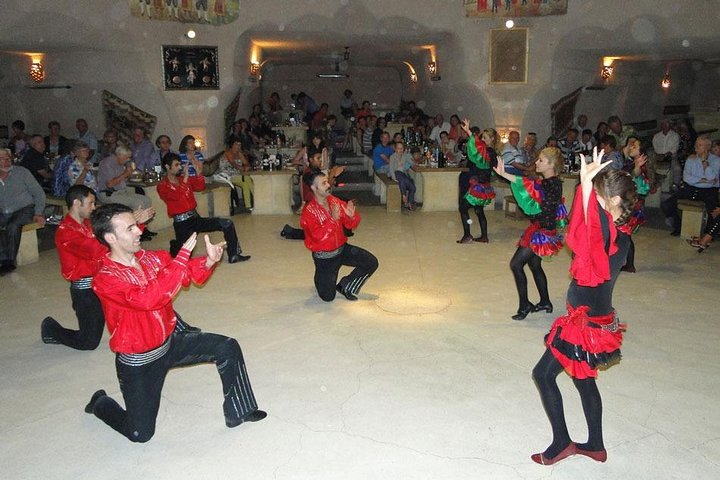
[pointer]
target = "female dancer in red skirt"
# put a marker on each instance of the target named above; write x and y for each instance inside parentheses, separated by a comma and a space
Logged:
(541, 200)
(589, 335)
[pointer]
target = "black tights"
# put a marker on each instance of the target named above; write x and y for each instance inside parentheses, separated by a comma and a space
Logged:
(465, 216)
(545, 375)
(523, 256)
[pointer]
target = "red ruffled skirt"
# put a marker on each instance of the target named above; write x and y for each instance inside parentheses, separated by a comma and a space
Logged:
(479, 194)
(582, 343)
(543, 242)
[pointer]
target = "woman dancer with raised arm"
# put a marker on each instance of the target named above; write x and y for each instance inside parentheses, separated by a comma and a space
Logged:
(541, 200)
(475, 189)
(589, 335)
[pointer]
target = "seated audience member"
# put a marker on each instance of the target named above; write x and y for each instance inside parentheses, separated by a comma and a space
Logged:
(22, 201)
(112, 174)
(529, 149)
(308, 105)
(608, 145)
(600, 132)
(80, 171)
(440, 125)
(163, 144)
(551, 141)
(86, 136)
(257, 132)
(273, 103)
(665, 142)
(177, 191)
(188, 155)
(381, 154)
(619, 131)
(346, 104)
(109, 143)
(35, 161)
(257, 111)
(365, 110)
(317, 144)
(630, 150)
(571, 148)
(581, 123)
(20, 141)
(142, 150)
(513, 158)
(55, 144)
(360, 127)
(235, 165)
(448, 147)
(712, 230)
(401, 162)
(456, 131)
(319, 118)
(700, 182)
(380, 125)
(368, 134)
(586, 142)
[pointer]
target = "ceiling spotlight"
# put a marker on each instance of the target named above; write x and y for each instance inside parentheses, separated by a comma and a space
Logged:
(665, 83)
(190, 34)
(509, 24)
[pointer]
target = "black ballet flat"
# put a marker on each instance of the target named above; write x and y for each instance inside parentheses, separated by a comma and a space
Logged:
(523, 312)
(548, 307)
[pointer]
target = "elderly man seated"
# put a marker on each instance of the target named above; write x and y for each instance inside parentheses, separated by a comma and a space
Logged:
(514, 158)
(701, 179)
(22, 201)
(112, 175)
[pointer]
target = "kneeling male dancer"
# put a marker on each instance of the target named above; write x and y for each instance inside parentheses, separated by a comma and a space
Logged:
(323, 218)
(136, 288)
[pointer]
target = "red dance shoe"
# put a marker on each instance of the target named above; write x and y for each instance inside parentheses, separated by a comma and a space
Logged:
(597, 455)
(568, 451)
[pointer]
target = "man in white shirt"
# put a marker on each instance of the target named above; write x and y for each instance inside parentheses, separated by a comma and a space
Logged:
(513, 157)
(440, 126)
(665, 144)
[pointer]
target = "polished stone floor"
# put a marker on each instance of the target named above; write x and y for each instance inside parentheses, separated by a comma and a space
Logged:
(425, 377)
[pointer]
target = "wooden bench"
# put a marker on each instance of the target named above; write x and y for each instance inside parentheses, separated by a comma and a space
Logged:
(389, 192)
(511, 208)
(693, 218)
(28, 252)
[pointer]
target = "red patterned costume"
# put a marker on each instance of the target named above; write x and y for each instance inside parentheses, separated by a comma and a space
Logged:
(590, 335)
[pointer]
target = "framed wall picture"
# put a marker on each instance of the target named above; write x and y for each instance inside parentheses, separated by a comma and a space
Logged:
(508, 55)
(190, 68)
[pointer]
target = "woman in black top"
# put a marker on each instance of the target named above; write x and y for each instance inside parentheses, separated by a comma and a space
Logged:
(541, 200)
(590, 335)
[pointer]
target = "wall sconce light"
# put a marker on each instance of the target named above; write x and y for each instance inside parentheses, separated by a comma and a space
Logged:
(255, 68)
(665, 83)
(607, 71)
(413, 77)
(199, 144)
(37, 73)
(432, 68)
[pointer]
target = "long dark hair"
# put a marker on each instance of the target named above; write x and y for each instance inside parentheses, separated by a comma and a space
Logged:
(611, 183)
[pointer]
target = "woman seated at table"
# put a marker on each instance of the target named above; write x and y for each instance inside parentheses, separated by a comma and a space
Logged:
(188, 153)
(234, 166)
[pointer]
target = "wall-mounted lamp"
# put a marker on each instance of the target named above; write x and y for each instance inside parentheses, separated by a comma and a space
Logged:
(413, 77)
(432, 68)
(37, 72)
(607, 71)
(665, 83)
(254, 68)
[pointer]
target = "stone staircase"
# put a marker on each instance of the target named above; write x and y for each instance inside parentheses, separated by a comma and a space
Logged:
(354, 183)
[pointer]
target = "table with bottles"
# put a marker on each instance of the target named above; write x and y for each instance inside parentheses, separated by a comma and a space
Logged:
(393, 128)
(291, 136)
